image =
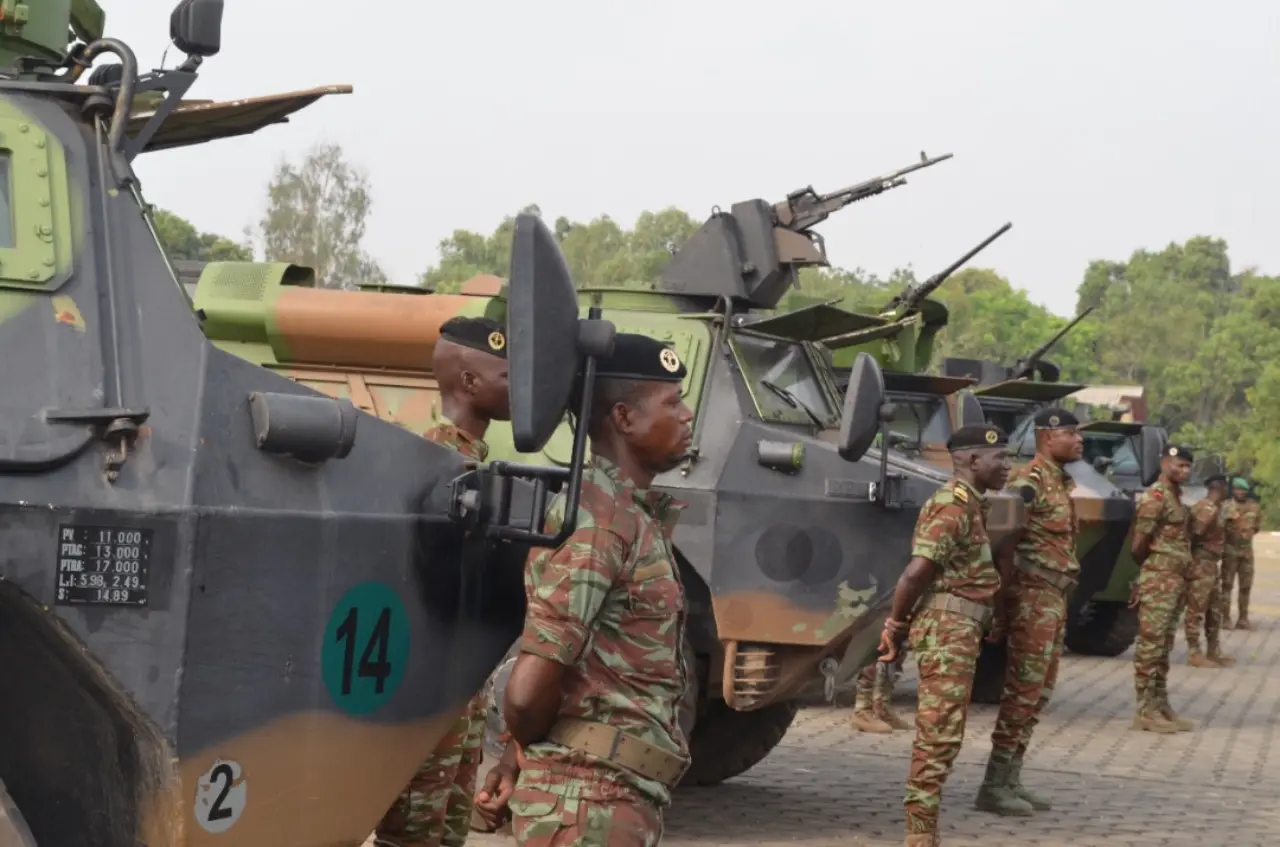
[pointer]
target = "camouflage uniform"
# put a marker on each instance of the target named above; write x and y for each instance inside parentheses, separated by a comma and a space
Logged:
(1036, 610)
(1241, 521)
(1163, 517)
(609, 605)
(871, 706)
(435, 808)
(946, 636)
(1203, 587)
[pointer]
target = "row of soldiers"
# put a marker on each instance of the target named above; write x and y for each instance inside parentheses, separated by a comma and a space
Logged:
(954, 593)
(593, 743)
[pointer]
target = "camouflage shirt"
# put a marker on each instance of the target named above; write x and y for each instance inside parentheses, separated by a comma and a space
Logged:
(1049, 541)
(445, 432)
(1208, 531)
(1241, 521)
(1165, 518)
(951, 532)
(609, 604)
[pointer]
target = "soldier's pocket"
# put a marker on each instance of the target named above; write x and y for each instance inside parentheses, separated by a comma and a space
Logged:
(537, 815)
(619, 823)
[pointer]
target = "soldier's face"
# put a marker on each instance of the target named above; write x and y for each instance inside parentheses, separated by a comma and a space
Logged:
(1065, 445)
(1240, 494)
(1178, 470)
(486, 380)
(990, 468)
(657, 427)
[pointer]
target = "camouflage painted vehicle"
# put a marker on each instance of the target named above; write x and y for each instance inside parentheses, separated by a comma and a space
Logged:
(232, 609)
(793, 539)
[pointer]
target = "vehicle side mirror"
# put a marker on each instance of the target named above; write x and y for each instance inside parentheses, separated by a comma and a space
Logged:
(195, 27)
(1101, 463)
(971, 413)
(1152, 443)
(860, 419)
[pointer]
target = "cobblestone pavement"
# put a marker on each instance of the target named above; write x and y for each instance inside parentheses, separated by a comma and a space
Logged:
(827, 784)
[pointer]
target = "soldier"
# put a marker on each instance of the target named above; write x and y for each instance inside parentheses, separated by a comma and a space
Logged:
(1242, 517)
(1204, 587)
(871, 709)
(1162, 547)
(952, 580)
(593, 698)
(470, 365)
(1039, 569)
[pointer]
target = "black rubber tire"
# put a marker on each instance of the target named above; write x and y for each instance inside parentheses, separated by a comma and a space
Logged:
(1102, 629)
(988, 679)
(727, 743)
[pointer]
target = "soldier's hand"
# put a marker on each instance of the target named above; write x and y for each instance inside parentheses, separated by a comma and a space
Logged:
(889, 640)
(491, 799)
(1133, 596)
(999, 629)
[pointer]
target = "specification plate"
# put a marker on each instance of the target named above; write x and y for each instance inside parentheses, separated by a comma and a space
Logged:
(103, 565)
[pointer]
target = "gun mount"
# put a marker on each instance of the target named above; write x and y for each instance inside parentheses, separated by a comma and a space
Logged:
(913, 295)
(752, 253)
(1030, 365)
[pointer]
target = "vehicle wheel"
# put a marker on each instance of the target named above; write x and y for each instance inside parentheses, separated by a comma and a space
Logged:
(1102, 629)
(727, 742)
(988, 680)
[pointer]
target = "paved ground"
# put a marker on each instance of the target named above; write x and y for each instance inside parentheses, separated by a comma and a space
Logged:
(829, 785)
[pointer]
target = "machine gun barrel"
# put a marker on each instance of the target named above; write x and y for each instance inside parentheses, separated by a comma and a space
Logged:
(911, 297)
(1026, 365)
(807, 208)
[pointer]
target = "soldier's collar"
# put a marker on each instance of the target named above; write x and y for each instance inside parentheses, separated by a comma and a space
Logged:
(1059, 471)
(659, 505)
(462, 434)
(966, 491)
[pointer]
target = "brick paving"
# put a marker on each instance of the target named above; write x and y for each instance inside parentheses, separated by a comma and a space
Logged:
(827, 784)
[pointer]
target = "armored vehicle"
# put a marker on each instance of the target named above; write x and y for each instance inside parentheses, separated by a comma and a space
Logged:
(796, 530)
(235, 610)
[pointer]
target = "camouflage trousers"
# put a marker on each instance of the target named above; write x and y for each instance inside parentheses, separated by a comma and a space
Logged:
(575, 808)
(865, 696)
(1236, 562)
(434, 810)
(946, 645)
(1161, 598)
(1037, 615)
(1203, 600)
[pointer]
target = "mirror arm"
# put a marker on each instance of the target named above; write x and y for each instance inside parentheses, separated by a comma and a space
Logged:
(882, 496)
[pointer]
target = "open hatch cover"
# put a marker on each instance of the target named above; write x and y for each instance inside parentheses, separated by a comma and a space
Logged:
(197, 121)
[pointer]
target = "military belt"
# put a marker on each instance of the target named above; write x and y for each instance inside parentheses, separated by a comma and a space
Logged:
(614, 745)
(1057, 579)
(979, 612)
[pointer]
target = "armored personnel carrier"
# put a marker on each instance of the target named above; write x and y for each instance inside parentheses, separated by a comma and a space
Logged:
(796, 529)
(235, 610)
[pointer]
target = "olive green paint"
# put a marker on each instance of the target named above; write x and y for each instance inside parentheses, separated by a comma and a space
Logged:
(40, 197)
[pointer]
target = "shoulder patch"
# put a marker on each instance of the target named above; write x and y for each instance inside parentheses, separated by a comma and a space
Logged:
(960, 494)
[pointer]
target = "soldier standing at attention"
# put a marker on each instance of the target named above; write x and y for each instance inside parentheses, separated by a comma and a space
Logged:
(593, 698)
(470, 365)
(1040, 570)
(953, 580)
(1204, 586)
(1242, 517)
(1162, 547)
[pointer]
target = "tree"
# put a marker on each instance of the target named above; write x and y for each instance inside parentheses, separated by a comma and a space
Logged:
(183, 242)
(316, 216)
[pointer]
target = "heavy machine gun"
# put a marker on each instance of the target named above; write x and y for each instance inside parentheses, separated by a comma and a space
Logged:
(1026, 366)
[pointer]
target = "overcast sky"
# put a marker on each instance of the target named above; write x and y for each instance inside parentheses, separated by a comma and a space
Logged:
(1096, 128)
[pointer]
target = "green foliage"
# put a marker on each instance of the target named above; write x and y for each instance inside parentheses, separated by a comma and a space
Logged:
(183, 242)
(316, 216)
(599, 252)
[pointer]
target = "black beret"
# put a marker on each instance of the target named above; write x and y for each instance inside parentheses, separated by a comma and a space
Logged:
(1215, 478)
(483, 334)
(1177, 451)
(641, 357)
(1055, 418)
(972, 437)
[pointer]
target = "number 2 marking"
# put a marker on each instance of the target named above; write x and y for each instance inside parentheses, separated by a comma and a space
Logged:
(217, 811)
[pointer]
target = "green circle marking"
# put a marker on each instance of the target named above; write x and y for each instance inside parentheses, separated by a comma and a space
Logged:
(366, 647)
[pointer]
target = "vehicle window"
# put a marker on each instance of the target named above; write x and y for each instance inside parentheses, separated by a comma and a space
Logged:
(1022, 442)
(785, 366)
(923, 421)
(1125, 459)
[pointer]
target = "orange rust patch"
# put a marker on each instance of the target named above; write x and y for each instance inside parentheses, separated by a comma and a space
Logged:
(65, 311)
